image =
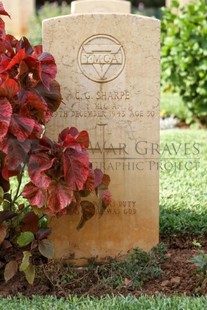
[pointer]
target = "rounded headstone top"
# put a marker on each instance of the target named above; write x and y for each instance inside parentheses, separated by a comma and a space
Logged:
(100, 6)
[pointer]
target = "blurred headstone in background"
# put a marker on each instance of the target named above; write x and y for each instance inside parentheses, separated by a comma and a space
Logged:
(98, 6)
(20, 11)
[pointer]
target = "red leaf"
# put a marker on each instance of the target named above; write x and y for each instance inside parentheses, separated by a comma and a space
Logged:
(88, 211)
(105, 198)
(36, 196)
(30, 222)
(43, 145)
(34, 106)
(43, 233)
(71, 136)
(16, 59)
(37, 51)
(10, 44)
(48, 68)
(34, 245)
(23, 70)
(7, 173)
(106, 180)
(52, 95)
(6, 215)
(35, 101)
(37, 166)
(6, 245)
(76, 168)
(2, 36)
(89, 185)
(37, 131)
(59, 197)
(23, 43)
(2, 10)
(4, 145)
(17, 153)
(4, 183)
(98, 177)
(5, 117)
(83, 139)
(21, 127)
(3, 232)
(33, 66)
(9, 88)
(72, 143)
(72, 132)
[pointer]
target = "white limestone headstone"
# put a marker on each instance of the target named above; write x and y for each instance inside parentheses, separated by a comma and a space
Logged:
(98, 6)
(109, 71)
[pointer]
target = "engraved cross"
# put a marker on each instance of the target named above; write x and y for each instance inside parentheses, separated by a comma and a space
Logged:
(105, 150)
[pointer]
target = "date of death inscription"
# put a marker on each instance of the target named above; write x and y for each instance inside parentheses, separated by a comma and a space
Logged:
(129, 113)
(105, 105)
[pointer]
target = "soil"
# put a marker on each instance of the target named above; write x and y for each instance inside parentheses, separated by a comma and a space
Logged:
(177, 277)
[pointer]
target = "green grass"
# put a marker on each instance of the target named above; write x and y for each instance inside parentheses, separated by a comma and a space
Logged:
(172, 105)
(105, 303)
(183, 192)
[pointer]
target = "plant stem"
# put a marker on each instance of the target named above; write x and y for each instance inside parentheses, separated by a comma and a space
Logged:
(17, 195)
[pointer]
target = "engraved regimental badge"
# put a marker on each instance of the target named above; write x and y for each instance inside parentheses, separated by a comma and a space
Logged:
(101, 58)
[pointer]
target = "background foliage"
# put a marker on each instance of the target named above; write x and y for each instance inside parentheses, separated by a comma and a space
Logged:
(184, 54)
(48, 10)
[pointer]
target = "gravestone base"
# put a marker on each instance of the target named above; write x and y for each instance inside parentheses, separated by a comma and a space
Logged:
(100, 240)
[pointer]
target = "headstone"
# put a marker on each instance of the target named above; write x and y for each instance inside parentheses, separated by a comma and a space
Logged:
(21, 11)
(109, 72)
(91, 6)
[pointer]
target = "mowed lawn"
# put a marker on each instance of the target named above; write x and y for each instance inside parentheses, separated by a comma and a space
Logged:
(183, 182)
(105, 303)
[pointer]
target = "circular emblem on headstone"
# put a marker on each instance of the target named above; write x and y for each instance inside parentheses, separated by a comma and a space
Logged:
(101, 58)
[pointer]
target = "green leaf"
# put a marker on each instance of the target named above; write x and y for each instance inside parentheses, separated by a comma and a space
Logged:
(10, 270)
(25, 261)
(30, 274)
(25, 238)
(183, 53)
(46, 248)
(175, 4)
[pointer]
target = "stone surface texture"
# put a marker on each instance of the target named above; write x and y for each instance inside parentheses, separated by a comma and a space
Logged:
(99, 6)
(109, 71)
